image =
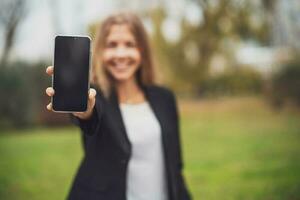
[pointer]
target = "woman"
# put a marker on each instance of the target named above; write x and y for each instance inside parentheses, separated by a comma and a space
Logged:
(130, 129)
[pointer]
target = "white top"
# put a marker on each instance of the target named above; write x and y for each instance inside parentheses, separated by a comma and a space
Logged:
(146, 177)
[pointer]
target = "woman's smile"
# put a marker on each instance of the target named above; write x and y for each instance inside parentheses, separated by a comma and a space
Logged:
(122, 64)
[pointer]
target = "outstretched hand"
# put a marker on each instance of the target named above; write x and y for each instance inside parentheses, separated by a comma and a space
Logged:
(91, 100)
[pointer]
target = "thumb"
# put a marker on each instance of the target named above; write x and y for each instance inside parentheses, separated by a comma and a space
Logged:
(92, 93)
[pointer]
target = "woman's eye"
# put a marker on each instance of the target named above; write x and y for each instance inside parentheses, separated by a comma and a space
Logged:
(111, 44)
(130, 44)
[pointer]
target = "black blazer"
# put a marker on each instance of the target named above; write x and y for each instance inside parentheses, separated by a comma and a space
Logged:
(107, 150)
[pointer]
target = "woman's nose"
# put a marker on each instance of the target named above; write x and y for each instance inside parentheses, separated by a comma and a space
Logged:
(121, 52)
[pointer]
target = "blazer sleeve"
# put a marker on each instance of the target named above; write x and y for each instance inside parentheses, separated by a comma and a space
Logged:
(184, 193)
(92, 125)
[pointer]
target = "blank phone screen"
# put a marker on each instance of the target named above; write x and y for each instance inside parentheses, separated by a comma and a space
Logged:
(71, 73)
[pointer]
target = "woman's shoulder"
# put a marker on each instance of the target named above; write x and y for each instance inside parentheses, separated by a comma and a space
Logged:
(161, 91)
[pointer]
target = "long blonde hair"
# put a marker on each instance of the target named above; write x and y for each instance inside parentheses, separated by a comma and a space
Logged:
(145, 74)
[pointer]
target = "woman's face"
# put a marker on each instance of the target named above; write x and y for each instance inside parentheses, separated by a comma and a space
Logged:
(121, 56)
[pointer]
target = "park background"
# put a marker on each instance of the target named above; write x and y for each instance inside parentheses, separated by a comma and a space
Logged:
(233, 64)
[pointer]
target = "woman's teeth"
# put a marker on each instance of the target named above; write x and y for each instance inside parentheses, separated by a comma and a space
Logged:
(121, 65)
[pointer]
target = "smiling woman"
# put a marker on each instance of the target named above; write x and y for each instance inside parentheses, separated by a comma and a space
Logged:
(131, 127)
(121, 55)
(122, 39)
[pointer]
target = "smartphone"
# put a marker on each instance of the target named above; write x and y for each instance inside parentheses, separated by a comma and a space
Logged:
(70, 79)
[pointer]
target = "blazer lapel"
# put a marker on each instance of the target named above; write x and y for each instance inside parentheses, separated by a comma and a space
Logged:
(160, 112)
(118, 123)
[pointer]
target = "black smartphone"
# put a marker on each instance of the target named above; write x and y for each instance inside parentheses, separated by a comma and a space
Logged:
(70, 79)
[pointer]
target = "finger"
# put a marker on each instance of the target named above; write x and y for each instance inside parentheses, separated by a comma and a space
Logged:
(79, 114)
(49, 106)
(92, 93)
(49, 70)
(50, 91)
(76, 114)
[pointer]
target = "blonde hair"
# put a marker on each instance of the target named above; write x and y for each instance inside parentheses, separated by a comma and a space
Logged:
(145, 74)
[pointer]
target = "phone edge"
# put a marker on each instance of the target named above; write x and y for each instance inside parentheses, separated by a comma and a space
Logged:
(89, 72)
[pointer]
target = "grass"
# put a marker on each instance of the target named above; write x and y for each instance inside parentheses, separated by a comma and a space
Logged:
(241, 149)
(38, 163)
(235, 148)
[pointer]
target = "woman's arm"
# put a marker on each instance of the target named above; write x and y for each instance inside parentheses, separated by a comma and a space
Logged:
(88, 120)
(91, 125)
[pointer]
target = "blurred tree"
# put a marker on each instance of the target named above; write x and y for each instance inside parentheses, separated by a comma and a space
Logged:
(11, 15)
(23, 100)
(269, 7)
(226, 21)
(16, 99)
(239, 81)
(286, 84)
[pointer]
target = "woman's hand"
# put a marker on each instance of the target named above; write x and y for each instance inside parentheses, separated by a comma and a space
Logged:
(91, 100)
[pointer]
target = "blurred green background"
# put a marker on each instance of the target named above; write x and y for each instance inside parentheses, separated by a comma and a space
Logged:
(233, 64)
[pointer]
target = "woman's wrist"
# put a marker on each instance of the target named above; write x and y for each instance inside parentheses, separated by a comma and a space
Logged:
(85, 115)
